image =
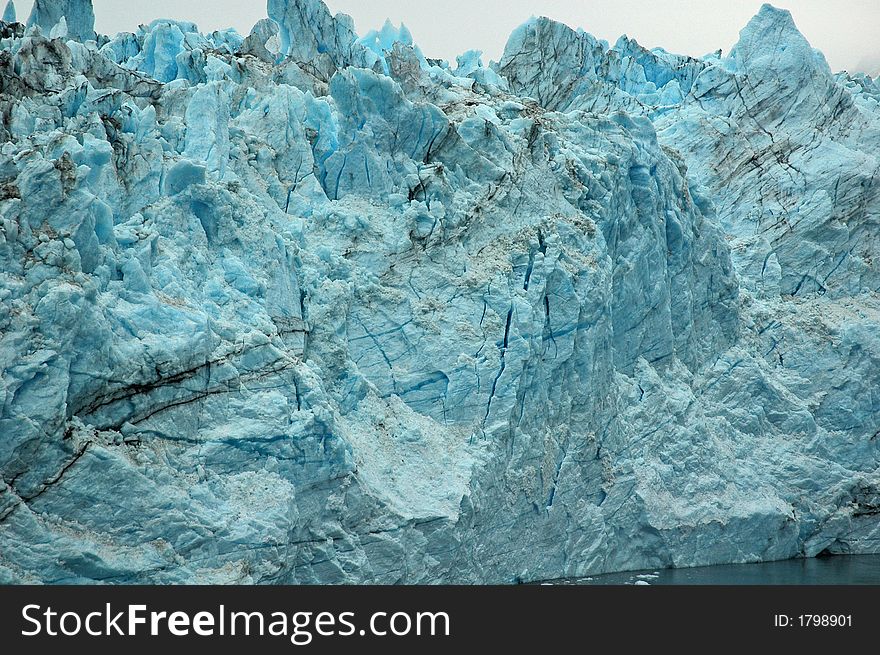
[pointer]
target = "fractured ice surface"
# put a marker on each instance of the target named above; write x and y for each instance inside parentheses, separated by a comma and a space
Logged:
(77, 15)
(308, 306)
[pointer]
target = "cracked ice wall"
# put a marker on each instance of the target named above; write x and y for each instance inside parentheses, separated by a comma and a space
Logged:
(308, 307)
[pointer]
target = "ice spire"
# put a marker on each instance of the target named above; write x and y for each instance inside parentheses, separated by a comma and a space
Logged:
(308, 30)
(771, 39)
(60, 30)
(79, 15)
(9, 12)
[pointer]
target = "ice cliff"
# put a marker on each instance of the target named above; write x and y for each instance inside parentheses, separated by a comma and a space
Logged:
(309, 307)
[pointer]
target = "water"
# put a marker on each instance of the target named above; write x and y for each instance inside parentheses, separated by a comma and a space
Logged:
(837, 570)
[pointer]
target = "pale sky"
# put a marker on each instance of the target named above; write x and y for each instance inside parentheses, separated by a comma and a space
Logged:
(846, 31)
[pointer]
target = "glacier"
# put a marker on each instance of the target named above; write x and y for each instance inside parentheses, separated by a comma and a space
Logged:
(305, 306)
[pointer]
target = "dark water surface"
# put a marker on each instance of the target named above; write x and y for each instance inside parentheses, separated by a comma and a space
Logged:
(836, 570)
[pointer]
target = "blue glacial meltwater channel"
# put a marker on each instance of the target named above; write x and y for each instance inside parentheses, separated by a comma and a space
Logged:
(837, 570)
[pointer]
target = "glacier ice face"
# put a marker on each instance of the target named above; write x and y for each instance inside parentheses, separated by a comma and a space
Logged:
(311, 36)
(309, 307)
(78, 15)
(9, 12)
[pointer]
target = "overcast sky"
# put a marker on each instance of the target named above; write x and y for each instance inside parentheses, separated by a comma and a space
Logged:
(847, 31)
